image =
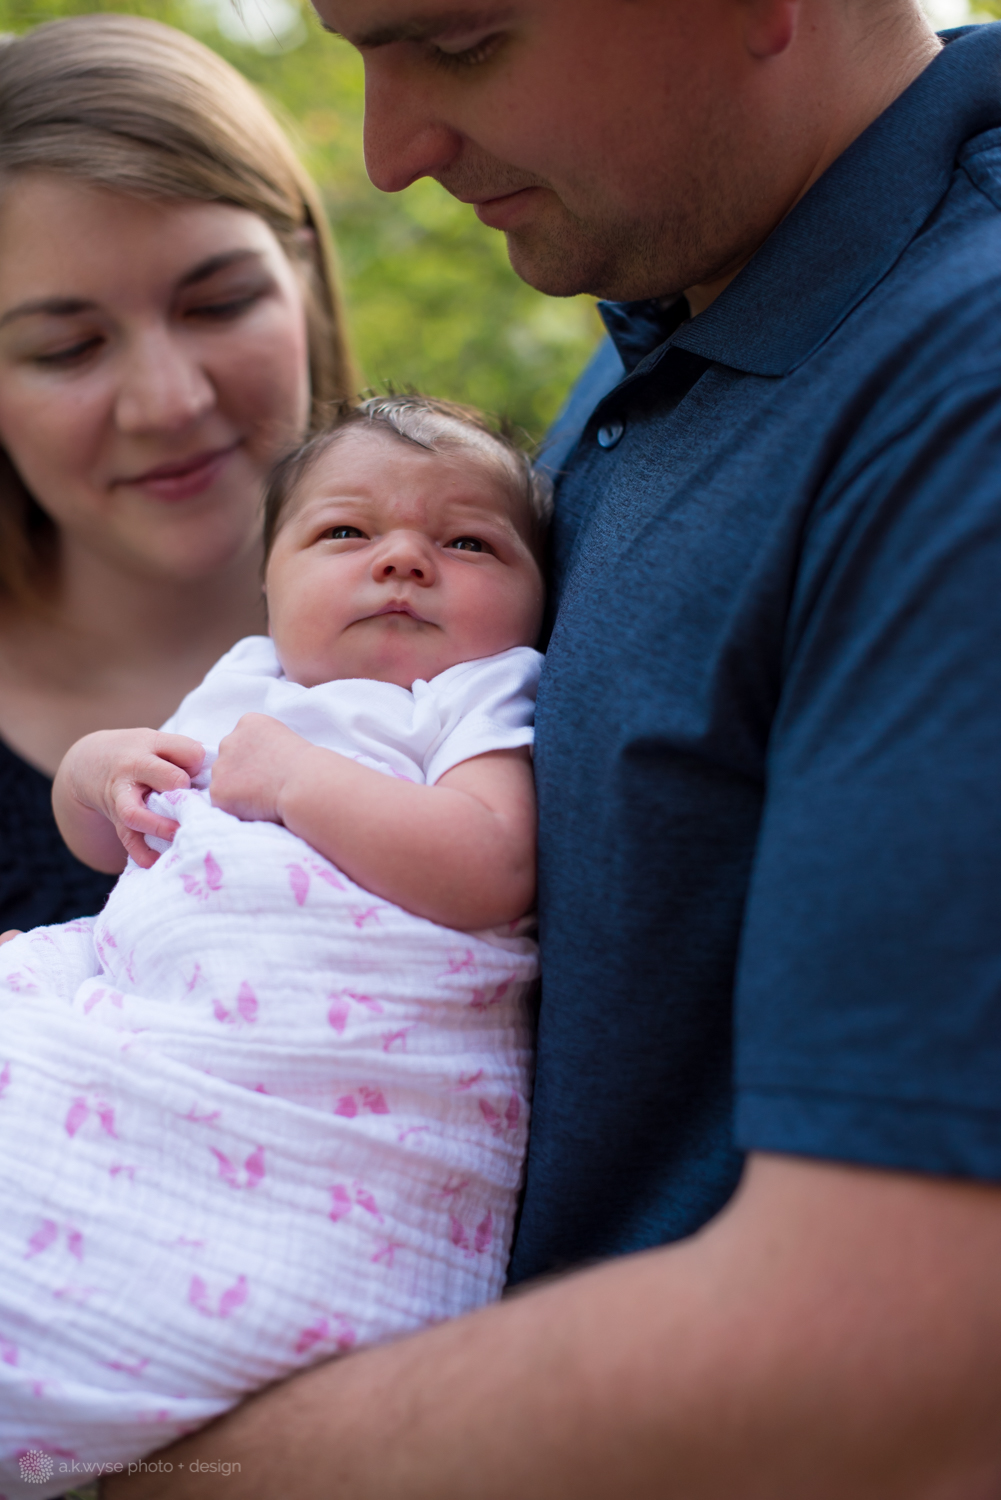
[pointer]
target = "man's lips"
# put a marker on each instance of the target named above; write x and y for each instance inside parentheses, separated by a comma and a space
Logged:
(504, 211)
(182, 477)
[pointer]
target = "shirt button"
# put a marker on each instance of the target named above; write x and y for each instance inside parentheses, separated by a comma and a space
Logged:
(609, 435)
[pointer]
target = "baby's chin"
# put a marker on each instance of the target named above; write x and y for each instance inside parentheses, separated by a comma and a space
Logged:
(401, 662)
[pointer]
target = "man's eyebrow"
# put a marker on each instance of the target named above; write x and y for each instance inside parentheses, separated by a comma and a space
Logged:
(71, 307)
(426, 25)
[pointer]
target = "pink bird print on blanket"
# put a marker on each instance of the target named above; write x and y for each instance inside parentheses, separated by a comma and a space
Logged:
(81, 1110)
(253, 1168)
(342, 1201)
(232, 1298)
(476, 1241)
(340, 1007)
(42, 1238)
(483, 999)
(323, 1331)
(245, 1009)
(299, 881)
(213, 879)
(134, 1367)
(498, 1122)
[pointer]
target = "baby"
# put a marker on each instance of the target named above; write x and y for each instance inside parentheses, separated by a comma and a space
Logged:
(272, 1103)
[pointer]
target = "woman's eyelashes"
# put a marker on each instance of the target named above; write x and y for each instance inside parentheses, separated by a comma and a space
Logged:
(72, 353)
(224, 309)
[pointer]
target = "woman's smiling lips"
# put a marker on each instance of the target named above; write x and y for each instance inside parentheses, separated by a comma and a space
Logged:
(183, 478)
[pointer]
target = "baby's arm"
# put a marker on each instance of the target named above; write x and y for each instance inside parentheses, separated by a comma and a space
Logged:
(98, 792)
(461, 852)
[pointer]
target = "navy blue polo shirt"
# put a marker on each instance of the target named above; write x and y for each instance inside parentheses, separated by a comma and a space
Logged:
(769, 727)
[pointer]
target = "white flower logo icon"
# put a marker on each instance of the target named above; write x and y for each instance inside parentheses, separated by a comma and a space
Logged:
(36, 1466)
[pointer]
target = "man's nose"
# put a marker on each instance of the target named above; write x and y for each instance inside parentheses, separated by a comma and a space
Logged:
(404, 138)
(406, 556)
(163, 386)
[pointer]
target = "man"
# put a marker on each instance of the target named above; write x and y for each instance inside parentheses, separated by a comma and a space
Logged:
(767, 765)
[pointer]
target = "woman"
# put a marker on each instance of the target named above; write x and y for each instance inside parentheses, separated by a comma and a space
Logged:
(169, 322)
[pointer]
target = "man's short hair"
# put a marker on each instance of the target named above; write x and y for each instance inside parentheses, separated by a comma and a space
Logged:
(437, 427)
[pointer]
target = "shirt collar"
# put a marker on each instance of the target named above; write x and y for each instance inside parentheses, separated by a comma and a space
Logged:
(848, 230)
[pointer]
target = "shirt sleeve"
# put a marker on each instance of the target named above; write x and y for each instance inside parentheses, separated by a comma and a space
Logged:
(483, 705)
(868, 994)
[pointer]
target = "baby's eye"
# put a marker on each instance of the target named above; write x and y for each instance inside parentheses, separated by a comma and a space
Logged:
(342, 533)
(466, 544)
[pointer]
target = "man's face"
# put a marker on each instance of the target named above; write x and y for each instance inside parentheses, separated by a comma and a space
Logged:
(603, 137)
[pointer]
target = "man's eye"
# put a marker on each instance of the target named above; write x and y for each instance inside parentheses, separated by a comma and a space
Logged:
(469, 56)
(342, 533)
(467, 544)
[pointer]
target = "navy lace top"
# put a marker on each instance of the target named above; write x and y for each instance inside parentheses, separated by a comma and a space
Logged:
(40, 880)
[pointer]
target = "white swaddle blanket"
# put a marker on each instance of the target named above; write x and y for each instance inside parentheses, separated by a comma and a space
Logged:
(252, 1115)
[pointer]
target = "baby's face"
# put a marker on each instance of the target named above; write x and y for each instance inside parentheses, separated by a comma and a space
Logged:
(396, 563)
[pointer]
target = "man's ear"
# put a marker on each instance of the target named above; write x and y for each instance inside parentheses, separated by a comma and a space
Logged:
(769, 26)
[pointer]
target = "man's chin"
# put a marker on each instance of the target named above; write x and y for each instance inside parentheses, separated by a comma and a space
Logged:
(570, 265)
(546, 265)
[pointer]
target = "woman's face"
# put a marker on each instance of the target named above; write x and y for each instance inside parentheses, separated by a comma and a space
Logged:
(153, 362)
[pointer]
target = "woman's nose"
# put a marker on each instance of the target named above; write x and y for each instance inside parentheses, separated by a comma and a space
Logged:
(405, 556)
(163, 386)
(404, 138)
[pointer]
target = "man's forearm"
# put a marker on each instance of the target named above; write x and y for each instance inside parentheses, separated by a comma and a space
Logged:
(835, 1333)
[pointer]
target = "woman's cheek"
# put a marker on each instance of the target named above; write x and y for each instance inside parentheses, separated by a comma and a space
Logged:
(53, 438)
(264, 386)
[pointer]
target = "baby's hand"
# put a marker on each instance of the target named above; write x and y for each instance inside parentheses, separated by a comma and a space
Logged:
(254, 764)
(111, 772)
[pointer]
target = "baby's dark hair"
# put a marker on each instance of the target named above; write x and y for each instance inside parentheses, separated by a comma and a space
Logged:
(436, 426)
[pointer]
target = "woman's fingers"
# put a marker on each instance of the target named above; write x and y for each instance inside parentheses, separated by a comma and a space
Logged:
(12, 932)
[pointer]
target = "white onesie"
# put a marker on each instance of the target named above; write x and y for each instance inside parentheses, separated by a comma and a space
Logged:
(252, 1115)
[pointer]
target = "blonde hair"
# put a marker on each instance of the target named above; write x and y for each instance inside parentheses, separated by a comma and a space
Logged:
(132, 105)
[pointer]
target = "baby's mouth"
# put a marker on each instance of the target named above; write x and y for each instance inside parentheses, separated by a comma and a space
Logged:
(399, 607)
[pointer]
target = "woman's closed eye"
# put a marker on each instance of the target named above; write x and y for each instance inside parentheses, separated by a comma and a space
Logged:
(225, 310)
(70, 354)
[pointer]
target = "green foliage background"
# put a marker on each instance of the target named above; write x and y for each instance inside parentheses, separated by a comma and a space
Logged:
(432, 300)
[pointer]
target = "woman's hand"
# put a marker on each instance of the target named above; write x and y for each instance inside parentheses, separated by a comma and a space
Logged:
(99, 791)
(255, 763)
(12, 932)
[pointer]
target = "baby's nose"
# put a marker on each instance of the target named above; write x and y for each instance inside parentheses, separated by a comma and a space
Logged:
(389, 570)
(407, 556)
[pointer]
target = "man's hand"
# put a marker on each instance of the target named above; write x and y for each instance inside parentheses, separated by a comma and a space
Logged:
(255, 764)
(99, 791)
(835, 1334)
